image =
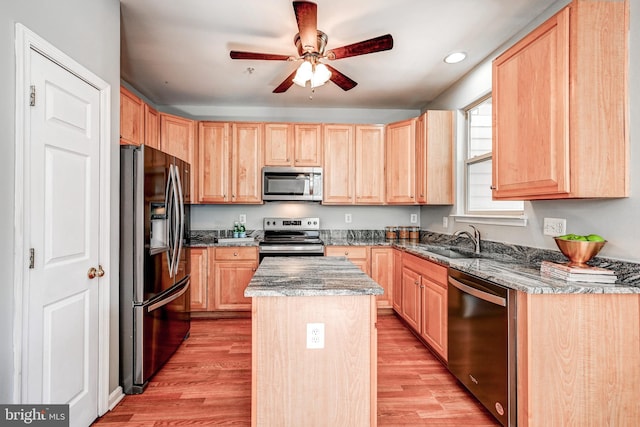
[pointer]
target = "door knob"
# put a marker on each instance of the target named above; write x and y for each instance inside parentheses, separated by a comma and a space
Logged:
(92, 273)
(100, 271)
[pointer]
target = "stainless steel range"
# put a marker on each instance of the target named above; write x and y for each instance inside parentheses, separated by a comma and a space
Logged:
(291, 237)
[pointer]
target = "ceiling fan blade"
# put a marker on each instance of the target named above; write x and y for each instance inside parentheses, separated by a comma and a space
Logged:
(236, 54)
(344, 82)
(376, 44)
(307, 18)
(286, 84)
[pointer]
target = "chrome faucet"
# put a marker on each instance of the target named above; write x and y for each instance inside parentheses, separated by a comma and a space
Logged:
(475, 238)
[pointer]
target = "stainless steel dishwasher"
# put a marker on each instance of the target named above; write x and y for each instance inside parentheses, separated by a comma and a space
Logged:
(482, 342)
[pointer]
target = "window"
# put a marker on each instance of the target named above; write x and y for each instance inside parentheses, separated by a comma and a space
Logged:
(478, 165)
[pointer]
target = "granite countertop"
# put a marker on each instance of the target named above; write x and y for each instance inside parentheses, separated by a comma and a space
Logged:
(310, 276)
(519, 275)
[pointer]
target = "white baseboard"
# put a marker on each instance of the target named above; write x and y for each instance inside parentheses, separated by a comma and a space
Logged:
(115, 397)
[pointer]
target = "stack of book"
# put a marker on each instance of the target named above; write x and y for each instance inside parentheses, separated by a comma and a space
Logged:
(573, 273)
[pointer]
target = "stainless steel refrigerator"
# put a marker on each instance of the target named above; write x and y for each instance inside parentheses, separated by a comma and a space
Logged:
(154, 262)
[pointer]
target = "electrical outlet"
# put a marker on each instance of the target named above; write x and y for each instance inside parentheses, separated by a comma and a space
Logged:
(445, 222)
(315, 335)
(414, 218)
(243, 218)
(555, 226)
(347, 218)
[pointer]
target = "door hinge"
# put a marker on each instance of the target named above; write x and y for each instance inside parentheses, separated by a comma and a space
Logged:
(32, 258)
(32, 96)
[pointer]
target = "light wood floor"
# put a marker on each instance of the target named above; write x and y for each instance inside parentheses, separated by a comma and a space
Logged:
(208, 382)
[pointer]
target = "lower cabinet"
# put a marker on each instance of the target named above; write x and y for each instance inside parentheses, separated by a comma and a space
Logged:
(423, 300)
(219, 276)
(376, 261)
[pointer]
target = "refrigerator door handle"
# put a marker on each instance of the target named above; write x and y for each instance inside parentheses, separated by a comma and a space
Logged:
(170, 298)
(175, 222)
(180, 206)
(168, 200)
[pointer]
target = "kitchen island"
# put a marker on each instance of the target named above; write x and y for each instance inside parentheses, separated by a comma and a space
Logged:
(314, 343)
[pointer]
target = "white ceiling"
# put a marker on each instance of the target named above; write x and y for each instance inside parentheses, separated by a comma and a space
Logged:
(177, 52)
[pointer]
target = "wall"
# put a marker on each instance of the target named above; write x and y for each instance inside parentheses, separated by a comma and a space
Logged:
(614, 219)
(214, 217)
(89, 32)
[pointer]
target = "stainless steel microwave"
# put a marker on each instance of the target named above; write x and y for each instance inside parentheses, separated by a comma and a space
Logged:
(291, 183)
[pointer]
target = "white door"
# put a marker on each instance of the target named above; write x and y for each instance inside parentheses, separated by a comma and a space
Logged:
(60, 358)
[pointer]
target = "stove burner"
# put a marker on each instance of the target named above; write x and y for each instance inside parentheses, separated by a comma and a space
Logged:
(291, 237)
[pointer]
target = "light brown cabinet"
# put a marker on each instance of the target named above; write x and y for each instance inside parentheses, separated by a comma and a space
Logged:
(307, 145)
(434, 158)
(230, 164)
(400, 162)
(353, 164)
(560, 107)
(199, 279)
(578, 359)
(246, 162)
(383, 272)
(424, 301)
(151, 127)
(131, 118)
(233, 268)
(288, 144)
(178, 138)
(397, 280)
(214, 162)
(359, 255)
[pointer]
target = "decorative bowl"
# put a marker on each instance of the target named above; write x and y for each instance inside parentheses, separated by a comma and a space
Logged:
(579, 251)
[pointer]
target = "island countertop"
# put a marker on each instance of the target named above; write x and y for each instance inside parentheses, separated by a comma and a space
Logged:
(310, 276)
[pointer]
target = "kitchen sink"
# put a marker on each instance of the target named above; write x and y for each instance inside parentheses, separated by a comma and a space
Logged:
(452, 253)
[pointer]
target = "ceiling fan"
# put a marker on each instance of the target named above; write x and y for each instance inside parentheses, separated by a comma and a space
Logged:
(311, 44)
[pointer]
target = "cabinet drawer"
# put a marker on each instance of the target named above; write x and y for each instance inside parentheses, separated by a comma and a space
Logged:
(348, 251)
(236, 253)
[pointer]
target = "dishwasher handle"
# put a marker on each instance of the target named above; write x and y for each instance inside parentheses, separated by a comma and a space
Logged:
(478, 293)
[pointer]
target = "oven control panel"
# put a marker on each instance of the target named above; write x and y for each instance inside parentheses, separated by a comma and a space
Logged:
(310, 223)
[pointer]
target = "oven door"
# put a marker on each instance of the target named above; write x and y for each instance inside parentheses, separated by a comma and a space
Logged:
(269, 250)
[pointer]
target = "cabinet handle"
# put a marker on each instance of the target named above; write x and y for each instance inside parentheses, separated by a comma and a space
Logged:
(416, 283)
(492, 187)
(235, 254)
(346, 253)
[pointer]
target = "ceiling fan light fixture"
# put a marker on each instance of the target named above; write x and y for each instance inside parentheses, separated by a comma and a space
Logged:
(304, 74)
(320, 76)
(455, 57)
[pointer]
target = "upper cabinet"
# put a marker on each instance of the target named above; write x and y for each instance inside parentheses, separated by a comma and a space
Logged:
(434, 158)
(131, 118)
(151, 127)
(353, 164)
(287, 144)
(307, 145)
(246, 162)
(214, 162)
(177, 138)
(560, 107)
(401, 162)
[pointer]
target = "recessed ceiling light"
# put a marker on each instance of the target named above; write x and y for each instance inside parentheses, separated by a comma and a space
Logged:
(455, 57)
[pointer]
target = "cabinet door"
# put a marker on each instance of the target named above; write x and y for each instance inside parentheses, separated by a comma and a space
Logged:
(231, 279)
(411, 297)
(213, 162)
(177, 137)
(400, 161)
(246, 162)
(278, 144)
(434, 157)
(131, 118)
(151, 127)
(382, 271)
(434, 316)
(199, 279)
(359, 255)
(307, 148)
(397, 281)
(369, 165)
(338, 165)
(531, 113)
